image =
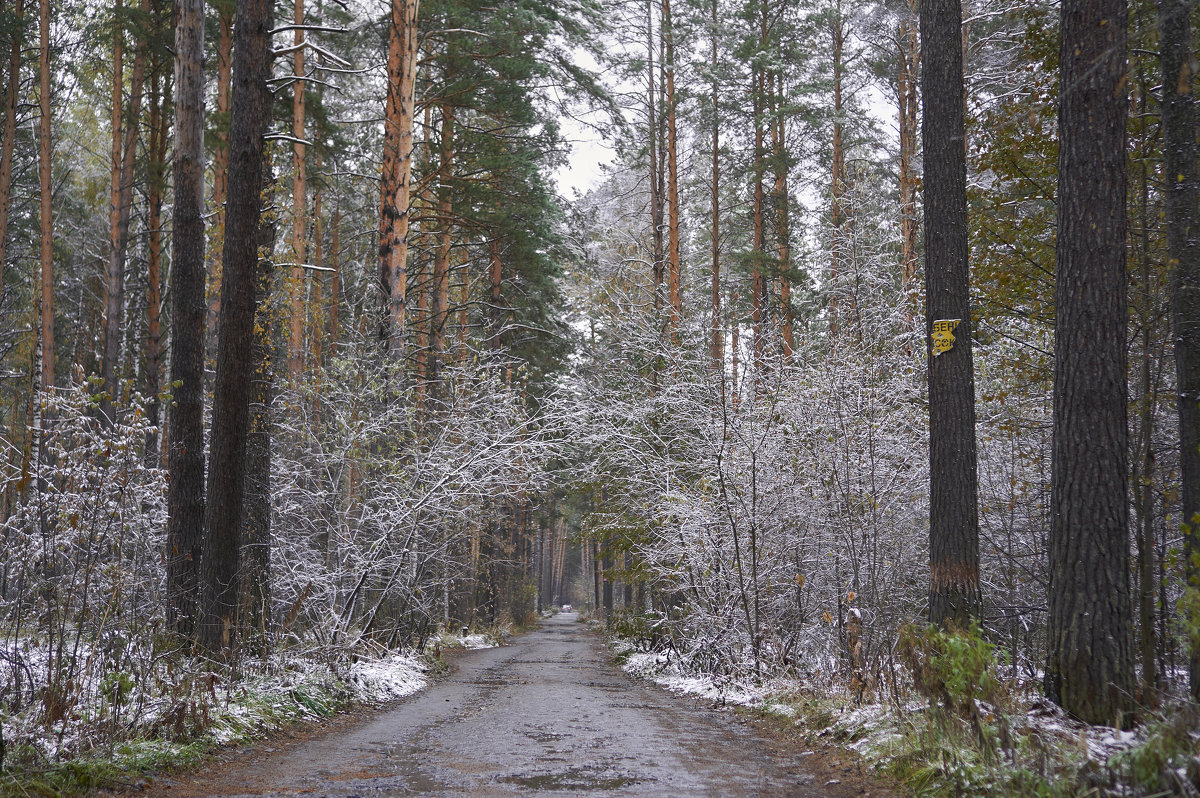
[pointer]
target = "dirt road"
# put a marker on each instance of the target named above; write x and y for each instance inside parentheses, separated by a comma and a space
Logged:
(548, 714)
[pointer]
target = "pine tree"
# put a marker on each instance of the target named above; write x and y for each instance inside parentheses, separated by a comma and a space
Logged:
(1090, 658)
(231, 396)
(953, 504)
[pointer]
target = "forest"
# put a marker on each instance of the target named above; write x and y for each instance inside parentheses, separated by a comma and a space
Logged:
(860, 374)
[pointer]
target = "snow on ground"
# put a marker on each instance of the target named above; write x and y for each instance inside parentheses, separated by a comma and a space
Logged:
(386, 679)
(471, 641)
(665, 671)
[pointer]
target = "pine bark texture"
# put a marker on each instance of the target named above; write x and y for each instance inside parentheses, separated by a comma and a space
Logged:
(185, 439)
(1090, 657)
(256, 532)
(953, 476)
(396, 184)
(1183, 226)
(251, 103)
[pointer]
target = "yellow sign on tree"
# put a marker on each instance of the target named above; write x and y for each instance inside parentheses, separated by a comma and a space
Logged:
(943, 335)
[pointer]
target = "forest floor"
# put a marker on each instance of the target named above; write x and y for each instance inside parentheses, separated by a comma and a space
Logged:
(547, 714)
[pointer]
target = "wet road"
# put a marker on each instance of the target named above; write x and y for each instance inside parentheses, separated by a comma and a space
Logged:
(546, 715)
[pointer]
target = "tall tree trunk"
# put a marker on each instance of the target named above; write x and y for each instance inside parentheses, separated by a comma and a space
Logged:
(1090, 657)
(316, 317)
(8, 145)
(185, 450)
(441, 262)
(758, 298)
(1183, 226)
(124, 154)
(906, 97)
(718, 329)
(396, 185)
(655, 156)
(256, 532)
(221, 146)
(1144, 460)
(46, 188)
(674, 284)
(837, 190)
(160, 97)
(295, 362)
(231, 396)
(783, 232)
(953, 475)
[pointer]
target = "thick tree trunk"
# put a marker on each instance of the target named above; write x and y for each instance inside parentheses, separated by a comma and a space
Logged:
(1090, 657)
(953, 475)
(221, 147)
(185, 450)
(256, 533)
(1183, 228)
(46, 189)
(396, 186)
(231, 396)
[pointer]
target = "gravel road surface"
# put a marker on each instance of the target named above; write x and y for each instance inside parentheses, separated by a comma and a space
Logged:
(548, 714)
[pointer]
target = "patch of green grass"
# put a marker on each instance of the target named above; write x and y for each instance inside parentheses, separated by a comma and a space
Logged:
(130, 763)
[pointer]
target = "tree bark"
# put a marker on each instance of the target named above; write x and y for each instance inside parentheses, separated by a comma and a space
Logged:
(1090, 659)
(159, 131)
(837, 188)
(185, 447)
(906, 97)
(718, 329)
(295, 361)
(8, 145)
(1183, 226)
(396, 186)
(441, 262)
(655, 158)
(221, 146)
(125, 130)
(953, 475)
(758, 298)
(231, 396)
(674, 284)
(46, 190)
(782, 214)
(256, 532)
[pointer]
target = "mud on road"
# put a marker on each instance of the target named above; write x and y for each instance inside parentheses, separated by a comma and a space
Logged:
(548, 715)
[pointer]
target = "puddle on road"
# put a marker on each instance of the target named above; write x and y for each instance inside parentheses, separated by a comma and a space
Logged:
(570, 780)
